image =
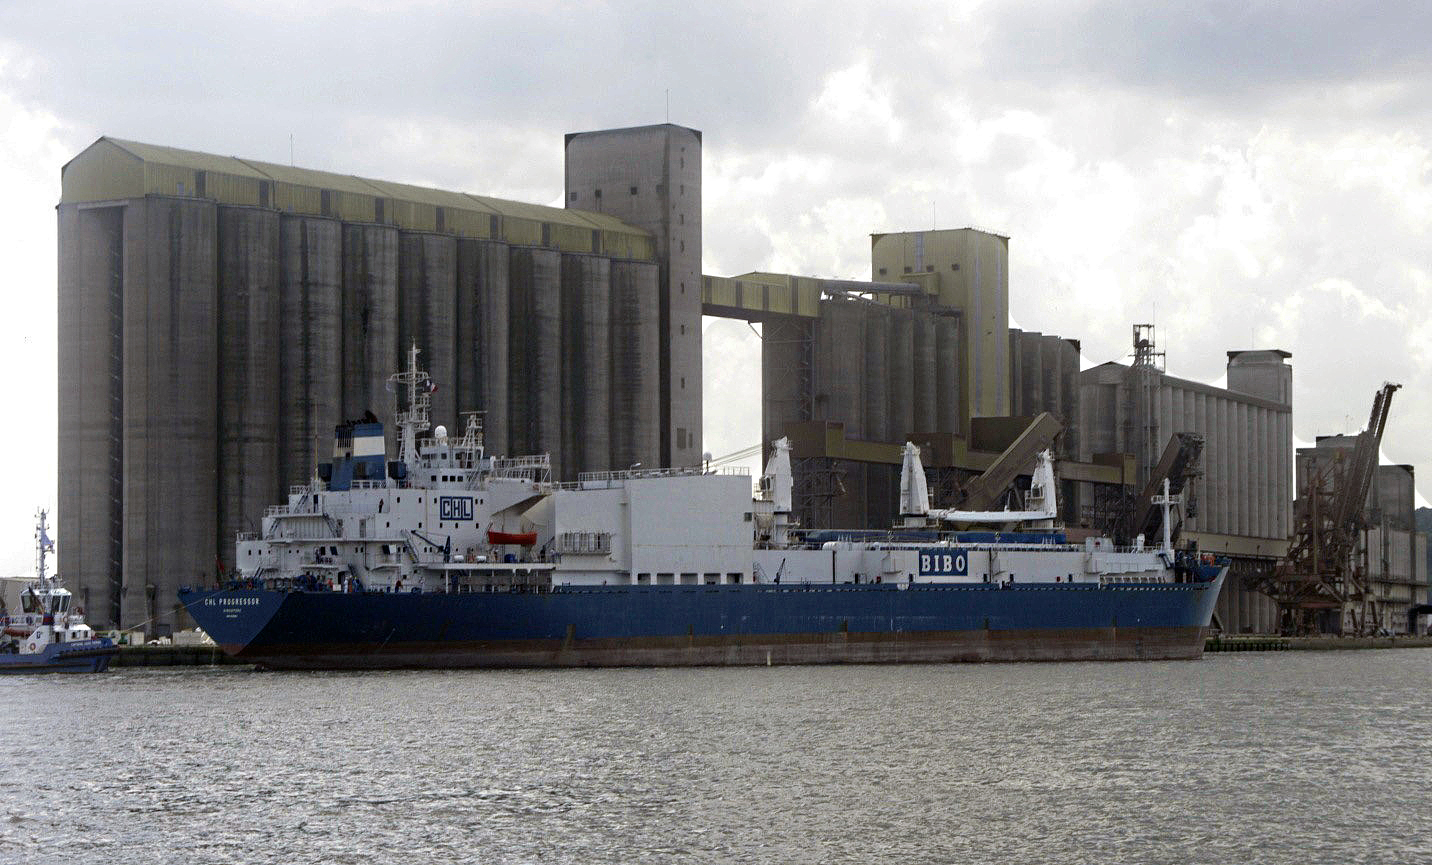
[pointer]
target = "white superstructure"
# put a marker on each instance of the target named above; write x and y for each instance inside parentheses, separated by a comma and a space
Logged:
(446, 516)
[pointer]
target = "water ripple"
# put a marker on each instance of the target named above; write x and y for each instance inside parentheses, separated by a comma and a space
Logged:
(1289, 757)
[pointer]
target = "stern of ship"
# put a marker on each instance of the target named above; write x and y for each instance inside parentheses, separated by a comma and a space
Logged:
(233, 618)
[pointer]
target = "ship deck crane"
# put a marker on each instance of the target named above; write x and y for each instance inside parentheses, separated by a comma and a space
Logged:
(1179, 466)
(985, 491)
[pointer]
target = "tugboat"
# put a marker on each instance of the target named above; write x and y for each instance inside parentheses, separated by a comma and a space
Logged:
(49, 635)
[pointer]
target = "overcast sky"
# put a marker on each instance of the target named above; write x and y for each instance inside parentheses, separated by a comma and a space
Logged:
(1243, 175)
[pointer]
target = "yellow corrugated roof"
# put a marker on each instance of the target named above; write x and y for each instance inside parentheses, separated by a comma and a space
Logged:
(767, 278)
(537, 212)
(430, 196)
(311, 177)
(285, 174)
(186, 158)
(602, 221)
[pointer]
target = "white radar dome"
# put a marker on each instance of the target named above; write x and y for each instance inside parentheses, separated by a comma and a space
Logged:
(440, 433)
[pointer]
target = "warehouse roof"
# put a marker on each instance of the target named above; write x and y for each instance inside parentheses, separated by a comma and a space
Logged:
(113, 169)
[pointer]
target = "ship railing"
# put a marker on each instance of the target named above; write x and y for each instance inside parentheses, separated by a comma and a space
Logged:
(918, 539)
(609, 479)
(529, 468)
(537, 461)
(246, 536)
(1126, 579)
(1104, 550)
(306, 492)
(453, 445)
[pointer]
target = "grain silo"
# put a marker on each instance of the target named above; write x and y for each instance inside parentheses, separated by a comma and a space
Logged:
(219, 316)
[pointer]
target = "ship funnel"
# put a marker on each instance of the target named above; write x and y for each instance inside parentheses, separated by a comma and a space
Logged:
(914, 493)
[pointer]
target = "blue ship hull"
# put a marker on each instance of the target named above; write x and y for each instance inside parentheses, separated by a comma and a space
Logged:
(709, 624)
(87, 656)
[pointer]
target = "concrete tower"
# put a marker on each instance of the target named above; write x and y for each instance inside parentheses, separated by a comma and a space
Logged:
(1263, 373)
(967, 270)
(650, 177)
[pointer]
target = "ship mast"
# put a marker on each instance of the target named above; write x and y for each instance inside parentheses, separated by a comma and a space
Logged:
(1167, 502)
(415, 419)
(43, 546)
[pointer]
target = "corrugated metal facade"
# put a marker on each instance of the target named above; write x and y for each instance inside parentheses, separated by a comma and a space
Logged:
(764, 293)
(112, 169)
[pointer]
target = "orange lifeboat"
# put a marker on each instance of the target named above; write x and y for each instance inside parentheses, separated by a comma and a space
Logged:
(522, 539)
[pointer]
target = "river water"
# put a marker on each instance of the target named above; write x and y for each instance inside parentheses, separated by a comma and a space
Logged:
(1270, 758)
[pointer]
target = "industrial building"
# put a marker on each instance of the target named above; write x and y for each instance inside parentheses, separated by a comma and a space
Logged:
(1239, 501)
(218, 316)
(1389, 556)
(852, 370)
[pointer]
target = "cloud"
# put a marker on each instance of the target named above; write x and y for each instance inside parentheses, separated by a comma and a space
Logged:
(1217, 54)
(1241, 175)
(28, 329)
(242, 70)
(850, 101)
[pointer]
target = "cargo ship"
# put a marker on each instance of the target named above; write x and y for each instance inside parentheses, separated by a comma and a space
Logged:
(448, 557)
